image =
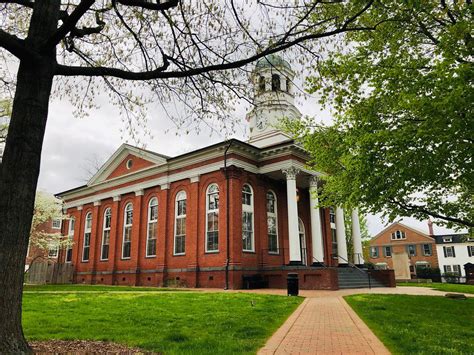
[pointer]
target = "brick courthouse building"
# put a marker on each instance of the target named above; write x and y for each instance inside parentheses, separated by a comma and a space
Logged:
(212, 216)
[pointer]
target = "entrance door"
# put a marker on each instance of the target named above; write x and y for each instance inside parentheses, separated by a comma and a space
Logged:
(304, 258)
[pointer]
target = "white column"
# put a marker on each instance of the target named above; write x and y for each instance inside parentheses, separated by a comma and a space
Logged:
(341, 237)
(356, 238)
(316, 228)
(293, 232)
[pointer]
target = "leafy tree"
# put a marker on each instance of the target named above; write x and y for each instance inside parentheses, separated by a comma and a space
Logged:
(47, 208)
(194, 52)
(402, 140)
(5, 112)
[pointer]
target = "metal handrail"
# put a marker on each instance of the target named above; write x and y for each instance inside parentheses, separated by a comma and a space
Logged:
(355, 267)
(320, 262)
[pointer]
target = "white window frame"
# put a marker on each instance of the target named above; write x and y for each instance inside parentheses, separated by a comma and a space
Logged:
(54, 249)
(248, 209)
(398, 235)
(70, 236)
(451, 250)
(411, 248)
(447, 269)
(430, 250)
(87, 231)
(274, 215)
(209, 211)
(107, 215)
(457, 269)
(126, 226)
(180, 196)
(470, 251)
(374, 252)
(58, 223)
(150, 222)
(447, 239)
(385, 251)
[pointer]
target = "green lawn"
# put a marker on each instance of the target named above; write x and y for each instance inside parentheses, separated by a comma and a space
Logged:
(418, 324)
(462, 288)
(95, 288)
(167, 322)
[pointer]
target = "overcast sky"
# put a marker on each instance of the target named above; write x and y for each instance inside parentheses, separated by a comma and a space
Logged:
(73, 146)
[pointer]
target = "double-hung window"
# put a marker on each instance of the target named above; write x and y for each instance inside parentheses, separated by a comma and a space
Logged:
(180, 224)
(374, 252)
(411, 248)
(427, 250)
(127, 231)
(70, 237)
(212, 218)
(449, 252)
(152, 229)
(104, 249)
(387, 251)
(272, 223)
(87, 237)
(470, 250)
(247, 219)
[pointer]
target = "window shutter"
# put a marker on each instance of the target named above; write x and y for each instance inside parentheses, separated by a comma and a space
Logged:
(408, 250)
(454, 253)
(414, 249)
(444, 251)
(431, 249)
(469, 251)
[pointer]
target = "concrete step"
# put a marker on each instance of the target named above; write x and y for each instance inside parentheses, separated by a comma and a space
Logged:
(353, 278)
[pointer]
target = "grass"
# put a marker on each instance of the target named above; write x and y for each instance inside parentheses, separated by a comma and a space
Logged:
(167, 322)
(418, 324)
(461, 288)
(94, 288)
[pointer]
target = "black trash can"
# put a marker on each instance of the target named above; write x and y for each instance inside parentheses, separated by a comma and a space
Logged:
(292, 284)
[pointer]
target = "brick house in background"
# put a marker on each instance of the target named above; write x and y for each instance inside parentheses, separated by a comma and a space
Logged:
(403, 249)
(37, 254)
(211, 217)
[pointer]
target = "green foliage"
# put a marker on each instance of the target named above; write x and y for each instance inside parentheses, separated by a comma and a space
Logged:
(428, 273)
(5, 113)
(418, 324)
(402, 140)
(163, 322)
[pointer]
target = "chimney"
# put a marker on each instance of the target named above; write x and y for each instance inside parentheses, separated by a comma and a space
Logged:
(430, 227)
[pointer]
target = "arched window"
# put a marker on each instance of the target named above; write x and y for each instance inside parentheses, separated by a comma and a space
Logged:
(302, 234)
(261, 84)
(70, 237)
(247, 219)
(398, 235)
(180, 224)
(212, 218)
(87, 237)
(276, 82)
(272, 223)
(127, 231)
(104, 250)
(152, 227)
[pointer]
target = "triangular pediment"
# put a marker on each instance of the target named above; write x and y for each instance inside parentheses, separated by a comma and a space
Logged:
(127, 160)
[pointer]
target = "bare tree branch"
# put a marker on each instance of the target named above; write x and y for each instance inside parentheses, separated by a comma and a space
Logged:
(25, 3)
(149, 5)
(15, 46)
(69, 23)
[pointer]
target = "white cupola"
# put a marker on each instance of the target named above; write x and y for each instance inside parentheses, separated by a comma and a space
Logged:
(272, 79)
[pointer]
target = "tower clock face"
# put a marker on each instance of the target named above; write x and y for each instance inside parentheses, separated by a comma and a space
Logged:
(261, 123)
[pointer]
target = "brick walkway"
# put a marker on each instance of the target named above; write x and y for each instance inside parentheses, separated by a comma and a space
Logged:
(325, 324)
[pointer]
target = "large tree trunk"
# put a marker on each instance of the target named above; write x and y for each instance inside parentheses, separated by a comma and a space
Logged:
(20, 169)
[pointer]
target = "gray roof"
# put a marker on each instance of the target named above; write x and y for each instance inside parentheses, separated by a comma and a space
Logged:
(272, 60)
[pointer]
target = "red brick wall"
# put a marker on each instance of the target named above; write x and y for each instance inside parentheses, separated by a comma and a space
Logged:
(166, 267)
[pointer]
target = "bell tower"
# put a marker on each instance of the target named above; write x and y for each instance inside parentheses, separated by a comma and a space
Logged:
(273, 99)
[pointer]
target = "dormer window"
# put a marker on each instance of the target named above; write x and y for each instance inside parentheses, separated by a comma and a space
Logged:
(276, 82)
(398, 235)
(447, 239)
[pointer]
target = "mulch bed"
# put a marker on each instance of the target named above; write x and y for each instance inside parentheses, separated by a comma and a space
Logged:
(82, 347)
